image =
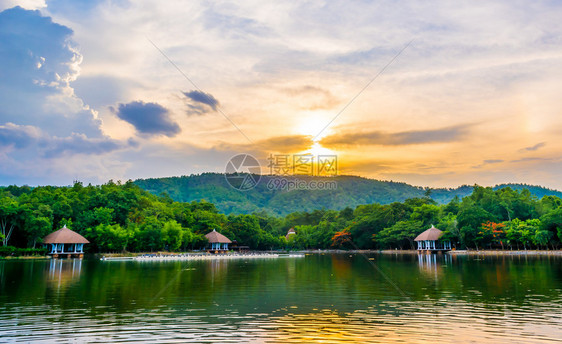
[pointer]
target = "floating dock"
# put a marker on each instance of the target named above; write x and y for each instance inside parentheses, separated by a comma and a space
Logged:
(174, 257)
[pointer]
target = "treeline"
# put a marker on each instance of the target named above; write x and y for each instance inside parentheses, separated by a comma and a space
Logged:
(351, 191)
(119, 217)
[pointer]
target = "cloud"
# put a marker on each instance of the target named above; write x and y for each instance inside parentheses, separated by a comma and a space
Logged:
(278, 144)
(38, 62)
(311, 97)
(442, 135)
(12, 135)
(488, 162)
(531, 159)
(81, 144)
(148, 118)
(533, 148)
(203, 102)
(35, 141)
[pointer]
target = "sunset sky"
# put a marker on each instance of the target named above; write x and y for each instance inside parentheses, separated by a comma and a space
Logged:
(87, 91)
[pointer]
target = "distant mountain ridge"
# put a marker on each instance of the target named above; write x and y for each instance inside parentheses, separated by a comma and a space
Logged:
(351, 191)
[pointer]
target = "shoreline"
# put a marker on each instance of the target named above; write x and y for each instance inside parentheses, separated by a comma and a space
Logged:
(24, 257)
(506, 253)
(193, 255)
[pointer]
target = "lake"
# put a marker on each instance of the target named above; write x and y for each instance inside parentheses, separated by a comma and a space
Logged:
(328, 298)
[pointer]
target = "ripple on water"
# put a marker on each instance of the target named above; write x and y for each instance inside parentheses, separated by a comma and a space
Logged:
(272, 302)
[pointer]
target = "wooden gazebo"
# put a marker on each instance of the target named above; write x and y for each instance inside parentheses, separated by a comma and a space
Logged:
(218, 241)
(429, 241)
(65, 242)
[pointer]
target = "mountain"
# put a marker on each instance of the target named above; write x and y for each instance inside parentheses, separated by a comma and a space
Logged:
(350, 191)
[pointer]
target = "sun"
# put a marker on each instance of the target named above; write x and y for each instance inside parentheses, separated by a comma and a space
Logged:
(314, 124)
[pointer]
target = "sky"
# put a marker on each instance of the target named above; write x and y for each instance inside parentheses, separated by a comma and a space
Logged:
(436, 94)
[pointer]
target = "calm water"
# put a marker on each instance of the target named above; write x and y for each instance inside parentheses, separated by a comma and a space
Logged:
(319, 298)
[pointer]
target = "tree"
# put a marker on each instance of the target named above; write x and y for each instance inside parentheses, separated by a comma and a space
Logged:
(470, 218)
(542, 238)
(341, 239)
(492, 232)
(246, 230)
(400, 233)
(427, 214)
(451, 231)
(37, 228)
(172, 235)
(552, 221)
(9, 209)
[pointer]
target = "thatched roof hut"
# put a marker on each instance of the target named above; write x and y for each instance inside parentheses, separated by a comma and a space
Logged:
(216, 237)
(290, 232)
(65, 236)
(65, 242)
(218, 241)
(429, 240)
(430, 234)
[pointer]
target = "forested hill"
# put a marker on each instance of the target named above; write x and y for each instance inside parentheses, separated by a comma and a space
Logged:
(351, 191)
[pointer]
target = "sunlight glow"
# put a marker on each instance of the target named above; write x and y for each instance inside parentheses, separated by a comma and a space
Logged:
(317, 149)
(312, 123)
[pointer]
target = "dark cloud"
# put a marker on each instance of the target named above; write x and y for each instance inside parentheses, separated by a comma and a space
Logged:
(449, 134)
(12, 135)
(148, 118)
(30, 138)
(203, 101)
(534, 148)
(530, 159)
(80, 144)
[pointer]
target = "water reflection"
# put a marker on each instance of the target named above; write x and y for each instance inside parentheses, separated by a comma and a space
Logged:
(432, 265)
(60, 273)
(322, 298)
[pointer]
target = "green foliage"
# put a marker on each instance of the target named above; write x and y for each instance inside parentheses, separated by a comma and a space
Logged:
(9, 251)
(351, 192)
(118, 217)
(401, 234)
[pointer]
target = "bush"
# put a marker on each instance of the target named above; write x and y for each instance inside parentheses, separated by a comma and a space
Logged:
(6, 251)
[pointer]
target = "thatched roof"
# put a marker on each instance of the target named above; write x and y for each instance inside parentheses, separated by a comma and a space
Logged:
(430, 234)
(215, 236)
(290, 232)
(65, 236)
